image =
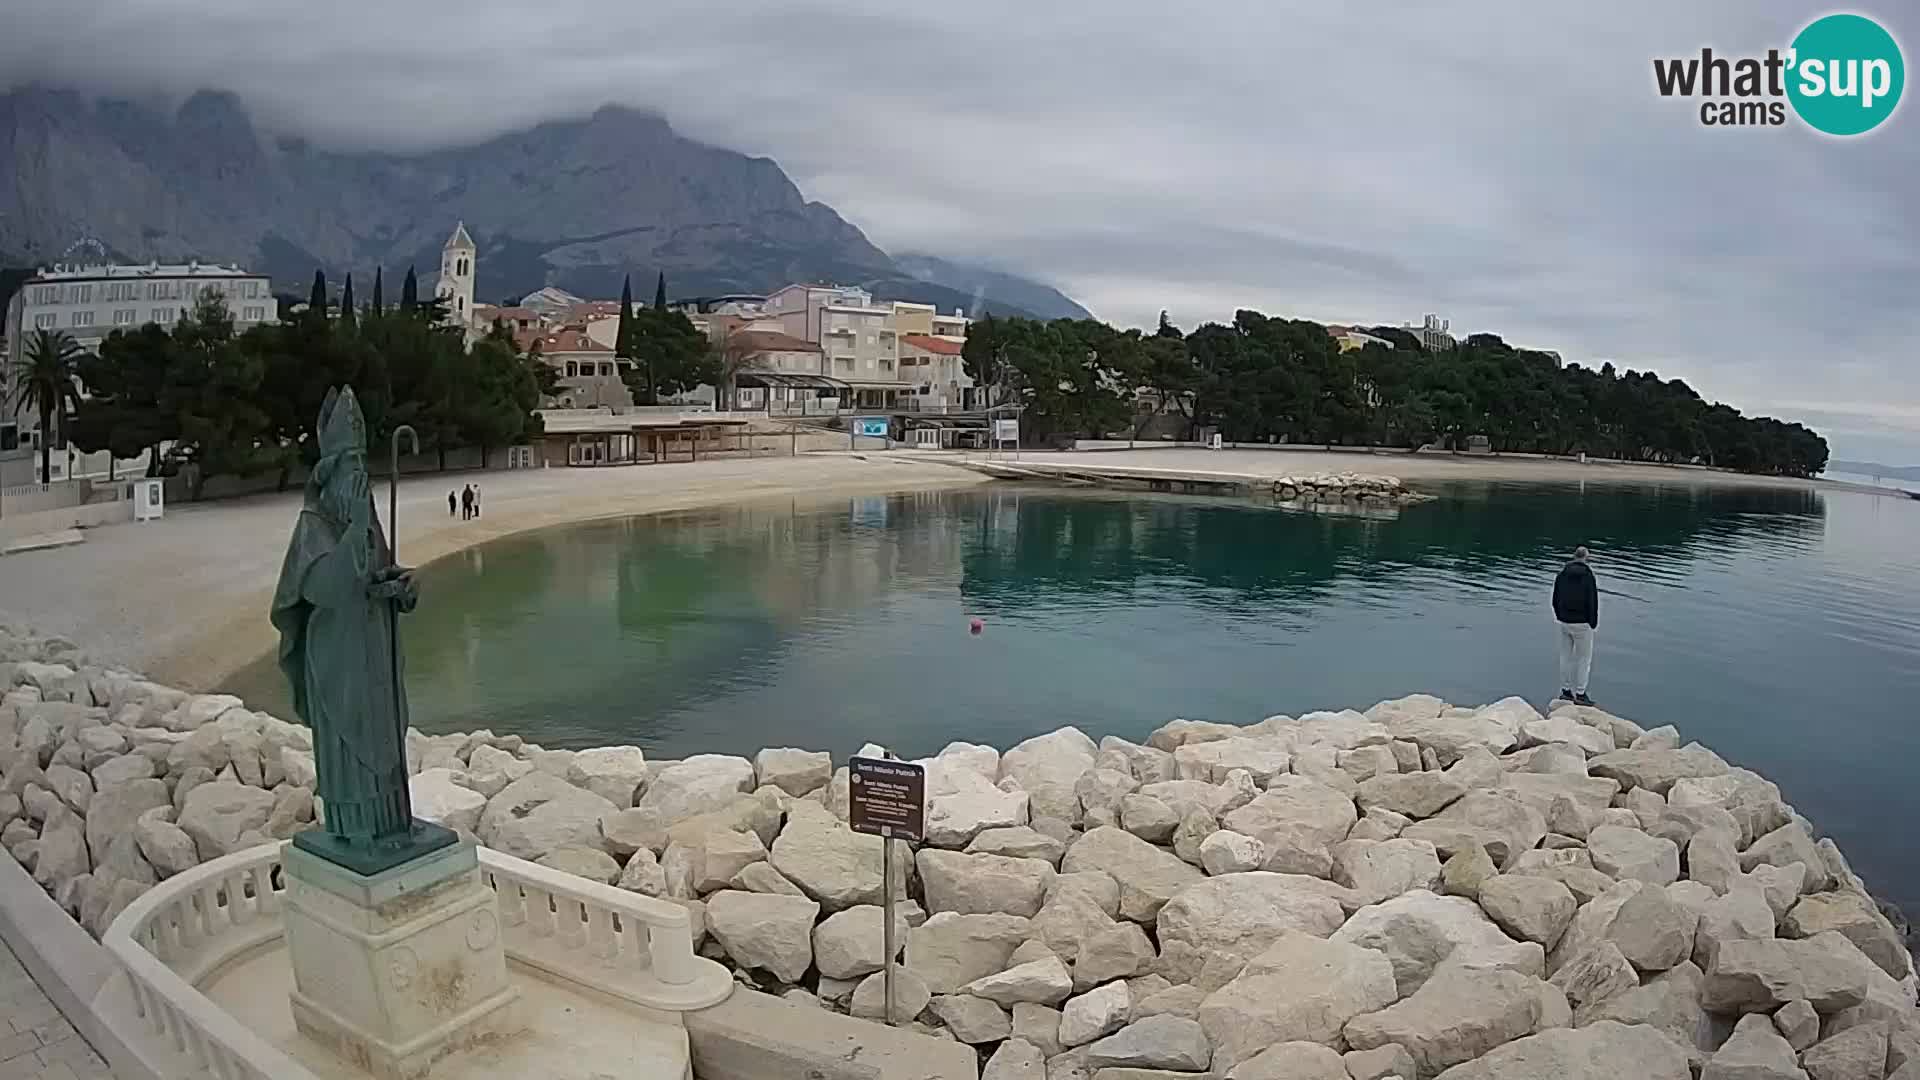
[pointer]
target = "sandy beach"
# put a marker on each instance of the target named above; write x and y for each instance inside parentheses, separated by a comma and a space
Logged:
(185, 599)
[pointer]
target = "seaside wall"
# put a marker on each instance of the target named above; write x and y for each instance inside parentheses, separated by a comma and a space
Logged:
(1416, 890)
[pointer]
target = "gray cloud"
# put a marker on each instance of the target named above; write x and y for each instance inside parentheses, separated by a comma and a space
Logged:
(1507, 165)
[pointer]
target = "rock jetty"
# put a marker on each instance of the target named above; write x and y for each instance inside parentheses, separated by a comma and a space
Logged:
(1413, 891)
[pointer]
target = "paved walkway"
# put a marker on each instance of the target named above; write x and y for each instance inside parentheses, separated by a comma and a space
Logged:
(36, 1042)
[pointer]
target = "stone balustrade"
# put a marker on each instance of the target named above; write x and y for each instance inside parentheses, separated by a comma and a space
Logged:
(631, 947)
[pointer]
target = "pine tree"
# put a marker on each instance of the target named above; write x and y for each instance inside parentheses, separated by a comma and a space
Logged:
(348, 317)
(409, 292)
(660, 292)
(317, 298)
(379, 305)
(623, 337)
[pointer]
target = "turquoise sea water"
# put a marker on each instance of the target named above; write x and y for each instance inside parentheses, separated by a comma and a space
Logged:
(1781, 628)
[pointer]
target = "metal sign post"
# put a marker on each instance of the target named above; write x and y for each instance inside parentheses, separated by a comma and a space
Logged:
(888, 799)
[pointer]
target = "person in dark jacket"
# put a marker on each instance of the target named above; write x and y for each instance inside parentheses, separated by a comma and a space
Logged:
(1576, 606)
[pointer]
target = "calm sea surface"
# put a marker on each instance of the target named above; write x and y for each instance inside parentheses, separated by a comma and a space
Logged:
(1781, 628)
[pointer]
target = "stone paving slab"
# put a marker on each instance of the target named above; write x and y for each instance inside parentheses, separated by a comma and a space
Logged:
(36, 1042)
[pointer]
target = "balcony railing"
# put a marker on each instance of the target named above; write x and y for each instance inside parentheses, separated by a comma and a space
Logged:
(631, 947)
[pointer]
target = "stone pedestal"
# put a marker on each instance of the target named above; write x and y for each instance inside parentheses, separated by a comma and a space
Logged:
(397, 969)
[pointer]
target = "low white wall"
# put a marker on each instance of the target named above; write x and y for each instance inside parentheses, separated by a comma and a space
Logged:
(71, 968)
(755, 1036)
(14, 526)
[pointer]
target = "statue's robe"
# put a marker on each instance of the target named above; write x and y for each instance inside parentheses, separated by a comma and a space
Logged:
(339, 651)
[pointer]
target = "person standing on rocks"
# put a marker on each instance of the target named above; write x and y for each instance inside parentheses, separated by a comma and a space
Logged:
(1576, 606)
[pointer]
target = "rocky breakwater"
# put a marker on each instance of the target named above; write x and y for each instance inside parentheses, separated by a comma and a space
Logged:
(1355, 489)
(1414, 891)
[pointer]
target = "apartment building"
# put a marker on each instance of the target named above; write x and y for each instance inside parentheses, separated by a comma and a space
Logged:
(856, 335)
(89, 302)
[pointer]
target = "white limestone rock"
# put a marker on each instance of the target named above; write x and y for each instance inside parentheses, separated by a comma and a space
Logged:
(1148, 818)
(114, 810)
(1652, 931)
(1595, 976)
(590, 863)
(1604, 1051)
(539, 813)
(1504, 825)
(1856, 918)
(1379, 1063)
(1565, 729)
(1211, 761)
(1018, 842)
(61, 852)
(983, 884)
(1174, 734)
(769, 932)
(1786, 845)
(1148, 876)
(224, 817)
(1657, 770)
(1157, 1042)
(910, 996)
(1415, 795)
(1798, 1024)
(1754, 1052)
(1041, 982)
(623, 832)
(1228, 852)
(643, 874)
(1100, 790)
(972, 1020)
(1466, 872)
(1299, 803)
(1528, 908)
(1760, 976)
(830, 862)
(1857, 1053)
(949, 950)
(1095, 1014)
(1299, 989)
(973, 805)
(1421, 933)
(439, 798)
(794, 771)
(1456, 1016)
(1016, 1059)
(1377, 870)
(700, 784)
(167, 848)
(1121, 951)
(1630, 854)
(1670, 1001)
(1039, 1025)
(1230, 919)
(615, 773)
(1048, 767)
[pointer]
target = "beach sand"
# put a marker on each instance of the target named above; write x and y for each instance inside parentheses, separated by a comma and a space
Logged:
(185, 599)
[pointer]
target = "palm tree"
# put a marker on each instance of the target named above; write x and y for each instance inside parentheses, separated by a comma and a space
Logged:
(46, 379)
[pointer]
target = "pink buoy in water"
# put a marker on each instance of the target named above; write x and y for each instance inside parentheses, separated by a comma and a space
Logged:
(975, 626)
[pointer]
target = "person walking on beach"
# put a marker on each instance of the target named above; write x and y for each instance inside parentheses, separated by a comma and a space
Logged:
(476, 500)
(1576, 607)
(466, 502)
(451, 502)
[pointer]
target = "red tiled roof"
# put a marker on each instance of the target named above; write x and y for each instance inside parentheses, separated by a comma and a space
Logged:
(932, 344)
(771, 341)
(569, 341)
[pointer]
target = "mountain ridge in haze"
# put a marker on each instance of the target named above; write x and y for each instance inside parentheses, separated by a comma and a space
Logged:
(1874, 468)
(575, 203)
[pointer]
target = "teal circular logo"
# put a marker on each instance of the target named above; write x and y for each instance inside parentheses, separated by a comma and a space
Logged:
(1846, 74)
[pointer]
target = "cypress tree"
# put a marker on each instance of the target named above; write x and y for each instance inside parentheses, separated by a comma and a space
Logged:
(317, 298)
(409, 292)
(347, 315)
(623, 337)
(660, 292)
(379, 304)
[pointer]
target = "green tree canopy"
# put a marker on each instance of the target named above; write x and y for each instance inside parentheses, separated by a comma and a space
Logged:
(45, 380)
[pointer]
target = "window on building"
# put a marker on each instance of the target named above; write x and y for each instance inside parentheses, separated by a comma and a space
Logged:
(573, 370)
(9, 436)
(83, 318)
(80, 294)
(45, 322)
(124, 317)
(156, 291)
(158, 315)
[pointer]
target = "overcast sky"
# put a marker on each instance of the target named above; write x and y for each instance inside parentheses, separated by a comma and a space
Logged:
(1507, 165)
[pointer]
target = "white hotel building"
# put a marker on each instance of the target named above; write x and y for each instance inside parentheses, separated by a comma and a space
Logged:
(89, 302)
